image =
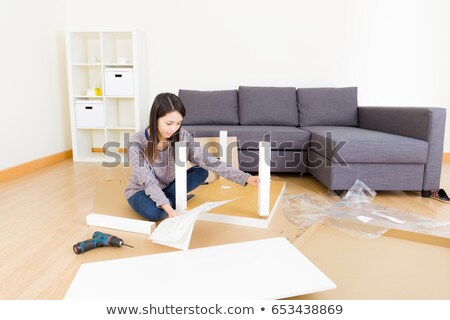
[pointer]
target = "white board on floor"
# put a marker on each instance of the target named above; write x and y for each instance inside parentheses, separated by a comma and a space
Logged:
(120, 223)
(263, 269)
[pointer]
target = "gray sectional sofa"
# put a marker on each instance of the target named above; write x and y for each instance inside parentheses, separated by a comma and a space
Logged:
(323, 131)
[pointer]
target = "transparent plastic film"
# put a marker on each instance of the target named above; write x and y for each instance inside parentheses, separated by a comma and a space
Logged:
(356, 214)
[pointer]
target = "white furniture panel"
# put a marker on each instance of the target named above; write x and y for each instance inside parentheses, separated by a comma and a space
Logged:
(262, 269)
(120, 223)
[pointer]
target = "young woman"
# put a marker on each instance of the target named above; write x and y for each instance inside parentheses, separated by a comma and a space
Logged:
(151, 188)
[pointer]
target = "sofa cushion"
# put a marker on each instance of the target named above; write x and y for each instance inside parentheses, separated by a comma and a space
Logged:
(328, 106)
(282, 137)
(270, 106)
(356, 145)
(210, 107)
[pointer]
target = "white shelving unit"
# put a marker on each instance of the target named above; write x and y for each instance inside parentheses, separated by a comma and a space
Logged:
(89, 54)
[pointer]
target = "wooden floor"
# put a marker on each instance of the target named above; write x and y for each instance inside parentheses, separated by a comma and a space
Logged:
(42, 215)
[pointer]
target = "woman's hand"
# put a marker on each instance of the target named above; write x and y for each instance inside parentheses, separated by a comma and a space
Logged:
(253, 180)
(169, 210)
(172, 213)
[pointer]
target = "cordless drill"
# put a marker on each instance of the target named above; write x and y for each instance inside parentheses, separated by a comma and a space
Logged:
(99, 239)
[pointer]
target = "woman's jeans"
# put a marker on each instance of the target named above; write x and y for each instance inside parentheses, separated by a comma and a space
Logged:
(146, 207)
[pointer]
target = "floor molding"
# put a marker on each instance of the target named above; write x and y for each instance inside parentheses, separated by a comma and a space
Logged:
(33, 165)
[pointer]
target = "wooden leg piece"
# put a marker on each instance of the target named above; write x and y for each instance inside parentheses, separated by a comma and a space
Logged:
(264, 179)
(180, 175)
(223, 146)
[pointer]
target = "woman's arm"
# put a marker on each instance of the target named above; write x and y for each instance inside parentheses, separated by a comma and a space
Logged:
(145, 174)
(211, 163)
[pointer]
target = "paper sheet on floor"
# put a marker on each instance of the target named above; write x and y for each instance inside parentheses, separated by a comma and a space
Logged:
(176, 232)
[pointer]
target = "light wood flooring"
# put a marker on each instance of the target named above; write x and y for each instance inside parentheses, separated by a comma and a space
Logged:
(42, 214)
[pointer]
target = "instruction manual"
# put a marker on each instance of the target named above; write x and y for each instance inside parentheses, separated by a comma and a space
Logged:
(176, 232)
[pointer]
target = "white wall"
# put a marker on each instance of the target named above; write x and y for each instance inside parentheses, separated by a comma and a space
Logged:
(34, 117)
(396, 51)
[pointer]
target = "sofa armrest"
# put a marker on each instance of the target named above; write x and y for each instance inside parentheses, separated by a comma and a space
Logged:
(427, 124)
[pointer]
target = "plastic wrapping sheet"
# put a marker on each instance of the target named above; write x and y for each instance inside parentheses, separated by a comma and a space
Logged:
(356, 214)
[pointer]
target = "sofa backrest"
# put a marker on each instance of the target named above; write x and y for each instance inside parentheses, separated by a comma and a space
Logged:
(273, 106)
(210, 107)
(328, 106)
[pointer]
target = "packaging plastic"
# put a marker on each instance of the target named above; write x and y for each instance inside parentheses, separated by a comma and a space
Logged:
(356, 214)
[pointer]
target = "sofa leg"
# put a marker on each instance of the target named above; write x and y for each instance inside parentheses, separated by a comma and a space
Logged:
(426, 193)
(338, 192)
(305, 174)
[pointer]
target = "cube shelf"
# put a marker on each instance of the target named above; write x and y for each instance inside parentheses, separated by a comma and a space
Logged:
(120, 113)
(100, 122)
(86, 77)
(90, 144)
(118, 47)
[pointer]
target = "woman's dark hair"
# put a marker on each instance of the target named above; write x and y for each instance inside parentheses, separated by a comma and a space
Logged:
(163, 104)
